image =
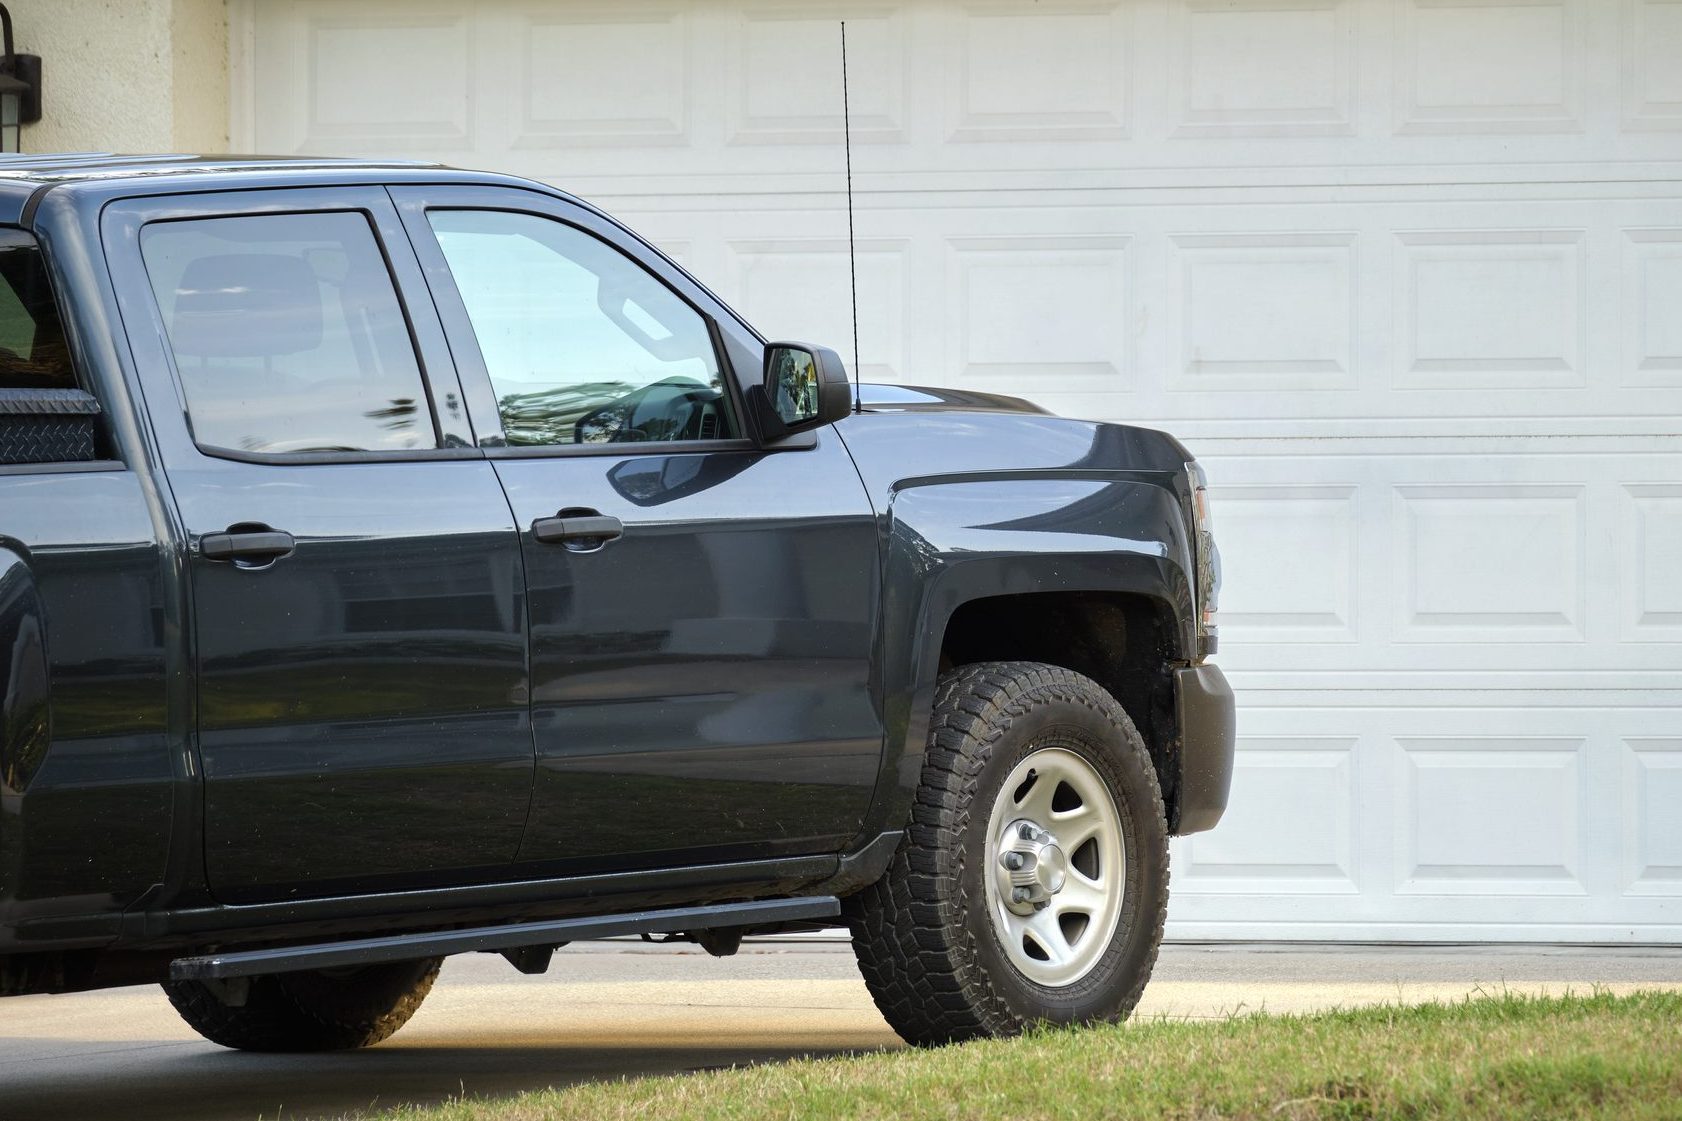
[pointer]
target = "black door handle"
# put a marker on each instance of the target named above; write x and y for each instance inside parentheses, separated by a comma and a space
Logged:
(581, 529)
(253, 545)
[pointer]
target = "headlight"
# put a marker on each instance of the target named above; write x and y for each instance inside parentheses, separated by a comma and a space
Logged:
(1207, 556)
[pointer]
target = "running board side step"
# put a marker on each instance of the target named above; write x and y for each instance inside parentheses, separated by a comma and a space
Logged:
(405, 947)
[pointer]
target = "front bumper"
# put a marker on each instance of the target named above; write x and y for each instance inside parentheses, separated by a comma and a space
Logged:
(1208, 716)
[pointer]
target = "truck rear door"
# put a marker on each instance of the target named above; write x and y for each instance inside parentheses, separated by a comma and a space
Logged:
(357, 599)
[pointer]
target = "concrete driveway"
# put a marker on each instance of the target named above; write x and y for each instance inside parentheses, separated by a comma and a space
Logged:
(611, 1009)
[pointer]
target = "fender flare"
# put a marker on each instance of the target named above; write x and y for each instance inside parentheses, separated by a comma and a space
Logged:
(935, 562)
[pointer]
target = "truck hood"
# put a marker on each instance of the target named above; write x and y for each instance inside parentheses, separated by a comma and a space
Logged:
(881, 398)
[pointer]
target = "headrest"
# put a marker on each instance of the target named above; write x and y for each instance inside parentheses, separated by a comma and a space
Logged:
(246, 305)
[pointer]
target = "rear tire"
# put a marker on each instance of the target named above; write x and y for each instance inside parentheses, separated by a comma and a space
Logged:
(332, 1010)
(1032, 882)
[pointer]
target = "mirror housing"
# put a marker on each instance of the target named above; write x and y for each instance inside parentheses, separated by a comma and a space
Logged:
(803, 387)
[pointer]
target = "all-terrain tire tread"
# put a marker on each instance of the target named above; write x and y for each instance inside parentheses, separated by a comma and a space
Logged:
(917, 958)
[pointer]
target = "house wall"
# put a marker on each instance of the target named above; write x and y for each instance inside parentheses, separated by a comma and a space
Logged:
(127, 75)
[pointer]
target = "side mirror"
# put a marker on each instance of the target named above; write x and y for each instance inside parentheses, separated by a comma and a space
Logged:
(805, 386)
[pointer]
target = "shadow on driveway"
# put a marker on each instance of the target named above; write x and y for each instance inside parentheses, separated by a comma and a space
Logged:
(170, 1080)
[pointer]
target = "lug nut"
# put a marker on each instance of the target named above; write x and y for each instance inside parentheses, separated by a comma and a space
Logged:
(1020, 895)
(1014, 860)
(1025, 831)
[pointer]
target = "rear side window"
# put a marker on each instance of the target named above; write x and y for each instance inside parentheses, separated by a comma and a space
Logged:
(32, 350)
(45, 416)
(288, 334)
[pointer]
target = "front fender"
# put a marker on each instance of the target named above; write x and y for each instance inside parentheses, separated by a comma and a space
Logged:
(952, 542)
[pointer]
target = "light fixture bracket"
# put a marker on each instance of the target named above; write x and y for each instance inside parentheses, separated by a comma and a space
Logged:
(25, 68)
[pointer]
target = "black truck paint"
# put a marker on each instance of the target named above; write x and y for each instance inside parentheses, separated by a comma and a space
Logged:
(421, 716)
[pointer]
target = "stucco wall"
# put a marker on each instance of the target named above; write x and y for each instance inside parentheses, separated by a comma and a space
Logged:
(127, 75)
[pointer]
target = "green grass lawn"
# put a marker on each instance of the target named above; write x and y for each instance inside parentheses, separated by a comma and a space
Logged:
(1502, 1056)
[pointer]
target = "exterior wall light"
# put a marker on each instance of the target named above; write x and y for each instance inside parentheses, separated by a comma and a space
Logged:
(20, 89)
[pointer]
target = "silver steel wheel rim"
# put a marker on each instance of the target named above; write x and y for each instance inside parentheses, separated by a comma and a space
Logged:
(1056, 868)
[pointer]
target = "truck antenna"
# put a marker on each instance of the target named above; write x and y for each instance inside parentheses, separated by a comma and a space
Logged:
(852, 251)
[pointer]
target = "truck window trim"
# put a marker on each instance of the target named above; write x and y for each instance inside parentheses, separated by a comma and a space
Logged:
(441, 449)
(64, 467)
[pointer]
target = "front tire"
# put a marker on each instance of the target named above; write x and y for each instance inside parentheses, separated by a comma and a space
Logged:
(323, 1010)
(1032, 883)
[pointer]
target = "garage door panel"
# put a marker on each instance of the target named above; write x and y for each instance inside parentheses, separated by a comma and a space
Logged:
(1270, 312)
(1005, 92)
(599, 75)
(1652, 329)
(1652, 843)
(787, 68)
(1650, 549)
(1652, 82)
(1273, 69)
(1491, 815)
(1291, 824)
(1297, 545)
(1490, 563)
(1474, 66)
(1491, 309)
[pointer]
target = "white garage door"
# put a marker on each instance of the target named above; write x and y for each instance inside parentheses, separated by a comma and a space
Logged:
(1405, 274)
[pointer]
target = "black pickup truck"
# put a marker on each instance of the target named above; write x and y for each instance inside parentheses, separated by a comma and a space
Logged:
(398, 561)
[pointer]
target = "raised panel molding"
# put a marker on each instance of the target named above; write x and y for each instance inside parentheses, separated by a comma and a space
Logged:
(1057, 70)
(788, 81)
(1650, 555)
(1290, 824)
(799, 288)
(1264, 68)
(1490, 563)
(1491, 309)
(1652, 73)
(1652, 840)
(387, 79)
(1040, 311)
(608, 75)
(1652, 305)
(1491, 816)
(1263, 311)
(1488, 66)
(1289, 554)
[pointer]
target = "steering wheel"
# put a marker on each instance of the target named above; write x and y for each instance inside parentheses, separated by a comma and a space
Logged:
(673, 408)
(607, 424)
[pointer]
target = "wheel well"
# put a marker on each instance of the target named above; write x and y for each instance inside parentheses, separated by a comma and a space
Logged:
(1126, 643)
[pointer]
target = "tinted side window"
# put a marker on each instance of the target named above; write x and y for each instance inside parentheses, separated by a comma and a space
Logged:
(45, 416)
(32, 350)
(583, 345)
(288, 335)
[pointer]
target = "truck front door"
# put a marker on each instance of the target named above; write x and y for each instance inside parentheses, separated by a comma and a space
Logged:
(702, 609)
(357, 601)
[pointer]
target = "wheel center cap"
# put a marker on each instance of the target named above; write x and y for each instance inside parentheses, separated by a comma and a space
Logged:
(1053, 869)
(1031, 868)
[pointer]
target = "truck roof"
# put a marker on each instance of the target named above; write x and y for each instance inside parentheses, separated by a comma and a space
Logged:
(23, 178)
(57, 167)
